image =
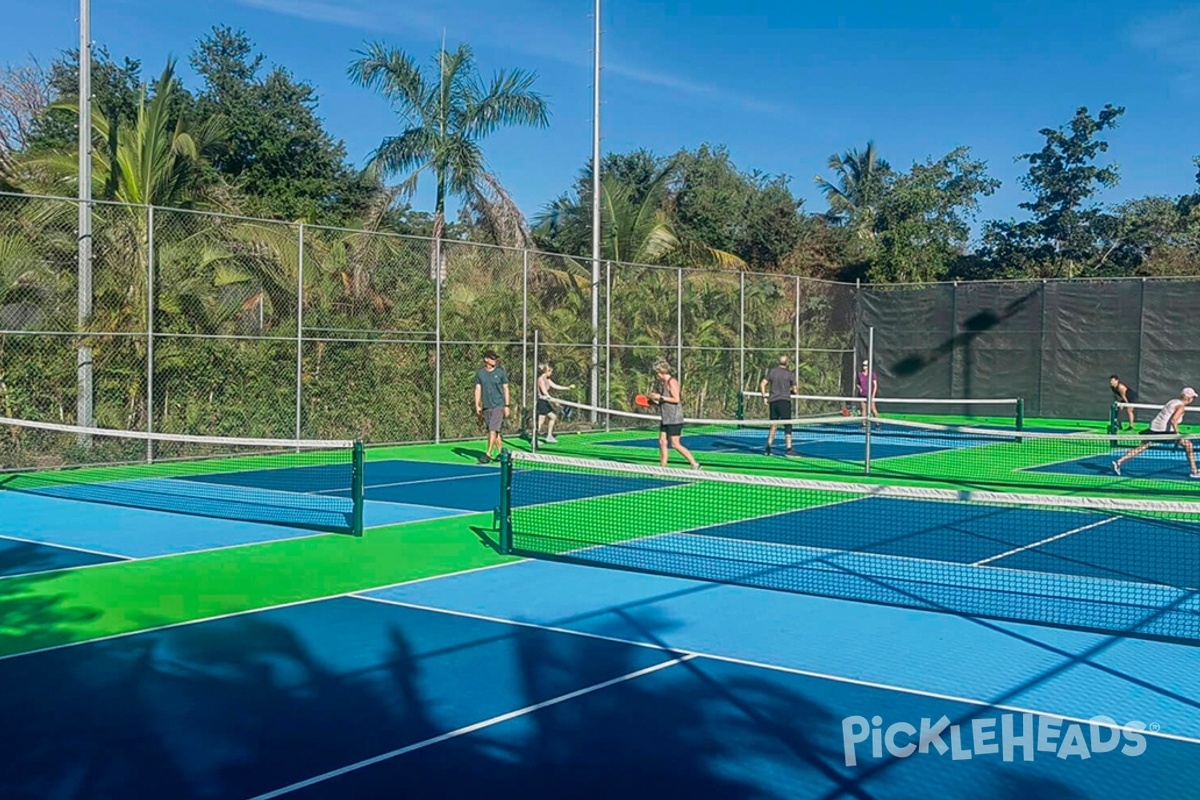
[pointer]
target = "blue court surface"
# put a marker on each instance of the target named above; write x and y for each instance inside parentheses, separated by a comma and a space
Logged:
(58, 530)
(544, 680)
(1159, 463)
(83, 524)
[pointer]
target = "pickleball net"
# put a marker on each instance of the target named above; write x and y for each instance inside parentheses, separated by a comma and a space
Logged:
(1114, 565)
(1001, 411)
(904, 450)
(310, 484)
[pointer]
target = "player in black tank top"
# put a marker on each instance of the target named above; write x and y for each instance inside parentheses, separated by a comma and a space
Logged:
(1123, 394)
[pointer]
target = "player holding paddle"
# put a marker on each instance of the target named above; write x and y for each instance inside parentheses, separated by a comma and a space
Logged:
(668, 396)
(545, 406)
(1167, 421)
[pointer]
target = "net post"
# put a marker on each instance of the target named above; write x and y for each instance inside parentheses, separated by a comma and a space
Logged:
(1020, 413)
(505, 511)
(1113, 412)
(356, 490)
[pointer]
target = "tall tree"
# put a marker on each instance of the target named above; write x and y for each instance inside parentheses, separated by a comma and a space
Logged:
(116, 88)
(278, 154)
(1063, 238)
(753, 215)
(445, 114)
(923, 220)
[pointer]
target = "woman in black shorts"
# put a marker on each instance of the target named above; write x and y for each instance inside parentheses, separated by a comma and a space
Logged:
(668, 395)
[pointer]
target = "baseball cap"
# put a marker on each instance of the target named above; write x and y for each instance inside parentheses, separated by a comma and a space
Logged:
(864, 363)
(1189, 392)
(490, 354)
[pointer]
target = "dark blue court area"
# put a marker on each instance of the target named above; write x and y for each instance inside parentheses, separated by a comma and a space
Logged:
(833, 442)
(77, 525)
(1164, 463)
(1083, 569)
(580, 691)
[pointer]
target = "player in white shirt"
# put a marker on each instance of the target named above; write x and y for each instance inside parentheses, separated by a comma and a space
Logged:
(1167, 421)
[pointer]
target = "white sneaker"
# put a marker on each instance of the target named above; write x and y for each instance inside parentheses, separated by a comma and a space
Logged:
(551, 440)
(1116, 468)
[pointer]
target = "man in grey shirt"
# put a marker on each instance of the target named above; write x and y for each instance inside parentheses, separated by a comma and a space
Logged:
(491, 401)
(777, 390)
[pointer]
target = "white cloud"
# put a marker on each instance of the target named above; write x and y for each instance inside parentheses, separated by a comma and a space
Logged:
(550, 44)
(1175, 40)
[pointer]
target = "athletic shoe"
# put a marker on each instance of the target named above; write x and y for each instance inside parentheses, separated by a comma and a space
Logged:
(1116, 468)
(551, 440)
(1196, 474)
(768, 450)
(789, 452)
(485, 459)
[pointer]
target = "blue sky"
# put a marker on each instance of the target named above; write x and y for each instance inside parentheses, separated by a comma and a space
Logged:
(782, 84)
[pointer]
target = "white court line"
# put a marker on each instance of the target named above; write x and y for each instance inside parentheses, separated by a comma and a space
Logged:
(63, 547)
(1047, 540)
(779, 668)
(249, 611)
(468, 729)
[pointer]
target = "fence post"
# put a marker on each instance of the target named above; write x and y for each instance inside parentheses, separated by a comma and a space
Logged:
(857, 326)
(869, 396)
(1141, 336)
(954, 343)
(533, 430)
(299, 330)
(679, 324)
(525, 340)
(607, 343)
(742, 332)
(437, 341)
(149, 330)
(796, 332)
(1041, 410)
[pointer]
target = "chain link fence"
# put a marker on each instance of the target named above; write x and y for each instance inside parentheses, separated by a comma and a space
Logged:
(204, 323)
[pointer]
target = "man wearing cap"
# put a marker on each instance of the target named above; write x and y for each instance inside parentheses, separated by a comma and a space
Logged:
(491, 401)
(1167, 421)
(868, 388)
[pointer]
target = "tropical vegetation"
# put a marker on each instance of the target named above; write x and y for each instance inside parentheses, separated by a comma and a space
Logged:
(234, 230)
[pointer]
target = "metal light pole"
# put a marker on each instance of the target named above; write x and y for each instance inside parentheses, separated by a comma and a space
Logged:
(595, 393)
(83, 404)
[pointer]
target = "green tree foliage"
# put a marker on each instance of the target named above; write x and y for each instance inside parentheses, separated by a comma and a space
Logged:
(861, 180)
(445, 115)
(636, 222)
(922, 220)
(1063, 238)
(752, 215)
(116, 88)
(278, 154)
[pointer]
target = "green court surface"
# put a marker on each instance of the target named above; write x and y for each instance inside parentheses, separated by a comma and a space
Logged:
(77, 604)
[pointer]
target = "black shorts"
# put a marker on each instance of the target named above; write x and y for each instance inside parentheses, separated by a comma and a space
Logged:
(781, 409)
(544, 408)
(671, 430)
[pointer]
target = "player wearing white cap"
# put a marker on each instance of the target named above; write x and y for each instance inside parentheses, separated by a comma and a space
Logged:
(1167, 421)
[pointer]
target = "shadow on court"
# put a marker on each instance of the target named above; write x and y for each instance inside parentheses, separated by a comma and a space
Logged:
(252, 704)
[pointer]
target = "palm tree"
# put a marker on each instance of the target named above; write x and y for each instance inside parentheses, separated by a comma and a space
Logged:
(446, 114)
(636, 226)
(861, 180)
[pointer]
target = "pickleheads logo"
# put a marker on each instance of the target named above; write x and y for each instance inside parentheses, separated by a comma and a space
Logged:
(1005, 736)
